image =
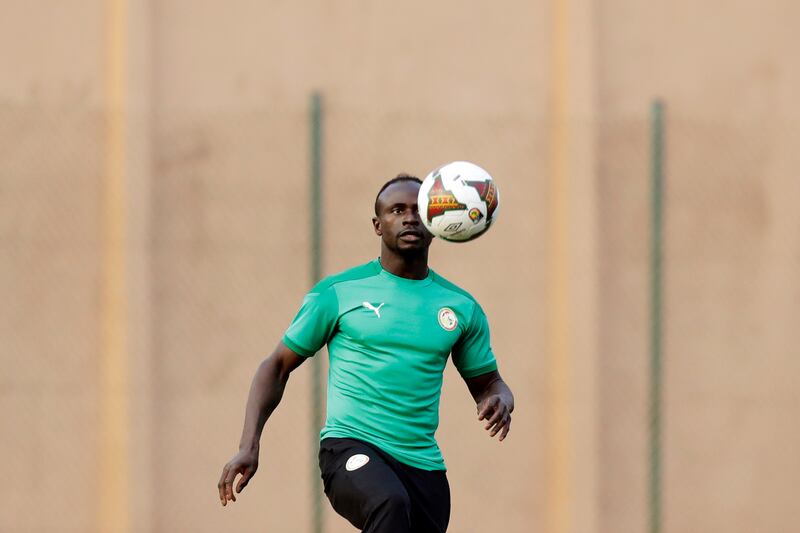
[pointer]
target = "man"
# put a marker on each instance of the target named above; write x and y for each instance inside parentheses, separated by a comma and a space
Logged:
(390, 326)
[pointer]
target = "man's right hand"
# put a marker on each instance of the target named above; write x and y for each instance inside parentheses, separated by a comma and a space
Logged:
(265, 394)
(245, 463)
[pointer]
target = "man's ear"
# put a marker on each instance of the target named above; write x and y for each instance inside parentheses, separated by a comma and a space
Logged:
(376, 224)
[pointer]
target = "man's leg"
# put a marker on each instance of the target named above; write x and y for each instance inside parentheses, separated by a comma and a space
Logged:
(429, 492)
(363, 488)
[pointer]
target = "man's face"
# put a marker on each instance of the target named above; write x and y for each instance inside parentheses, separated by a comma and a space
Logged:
(398, 221)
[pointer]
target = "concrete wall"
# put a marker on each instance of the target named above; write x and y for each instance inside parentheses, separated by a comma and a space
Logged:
(52, 137)
(200, 111)
(731, 246)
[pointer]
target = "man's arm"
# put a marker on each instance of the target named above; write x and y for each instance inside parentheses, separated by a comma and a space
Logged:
(266, 391)
(494, 400)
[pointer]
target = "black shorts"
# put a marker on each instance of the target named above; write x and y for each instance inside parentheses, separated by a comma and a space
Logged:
(379, 494)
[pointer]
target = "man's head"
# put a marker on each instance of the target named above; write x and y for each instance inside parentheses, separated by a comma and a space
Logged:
(397, 219)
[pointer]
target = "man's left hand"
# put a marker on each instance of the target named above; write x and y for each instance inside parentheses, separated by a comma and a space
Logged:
(497, 415)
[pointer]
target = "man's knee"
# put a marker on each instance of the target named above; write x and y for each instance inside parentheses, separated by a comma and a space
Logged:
(391, 512)
(398, 501)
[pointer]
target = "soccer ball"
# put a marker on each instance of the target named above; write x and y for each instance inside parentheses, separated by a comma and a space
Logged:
(458, 201)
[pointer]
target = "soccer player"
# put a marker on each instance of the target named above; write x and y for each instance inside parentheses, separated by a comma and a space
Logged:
(390, 326)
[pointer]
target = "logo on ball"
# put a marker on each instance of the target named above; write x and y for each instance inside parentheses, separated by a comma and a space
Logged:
(488, 193)
(475, 215)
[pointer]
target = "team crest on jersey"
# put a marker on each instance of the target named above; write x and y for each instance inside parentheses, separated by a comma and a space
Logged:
(447, 319)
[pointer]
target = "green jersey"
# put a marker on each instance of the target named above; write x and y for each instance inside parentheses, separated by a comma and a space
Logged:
(388, 340)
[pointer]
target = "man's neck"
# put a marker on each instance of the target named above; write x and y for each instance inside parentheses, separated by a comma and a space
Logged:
(411, 266)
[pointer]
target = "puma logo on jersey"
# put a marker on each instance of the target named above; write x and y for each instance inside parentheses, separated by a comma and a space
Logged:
(373, 308)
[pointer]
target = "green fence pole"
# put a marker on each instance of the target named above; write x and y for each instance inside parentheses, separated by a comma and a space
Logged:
(316, 273)
(656, 257)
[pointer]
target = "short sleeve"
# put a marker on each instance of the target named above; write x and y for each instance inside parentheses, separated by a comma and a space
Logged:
(314, 324)
(472, 354)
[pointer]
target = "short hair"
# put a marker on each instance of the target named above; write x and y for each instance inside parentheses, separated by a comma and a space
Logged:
(400, 177)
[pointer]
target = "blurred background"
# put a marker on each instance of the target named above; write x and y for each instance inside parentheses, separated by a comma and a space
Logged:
(157, 223)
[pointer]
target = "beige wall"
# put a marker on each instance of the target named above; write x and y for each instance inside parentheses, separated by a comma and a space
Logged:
(51, 138)
(731, 366)
(215, 102)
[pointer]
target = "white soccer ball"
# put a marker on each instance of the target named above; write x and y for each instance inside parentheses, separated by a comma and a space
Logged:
(458, 201)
